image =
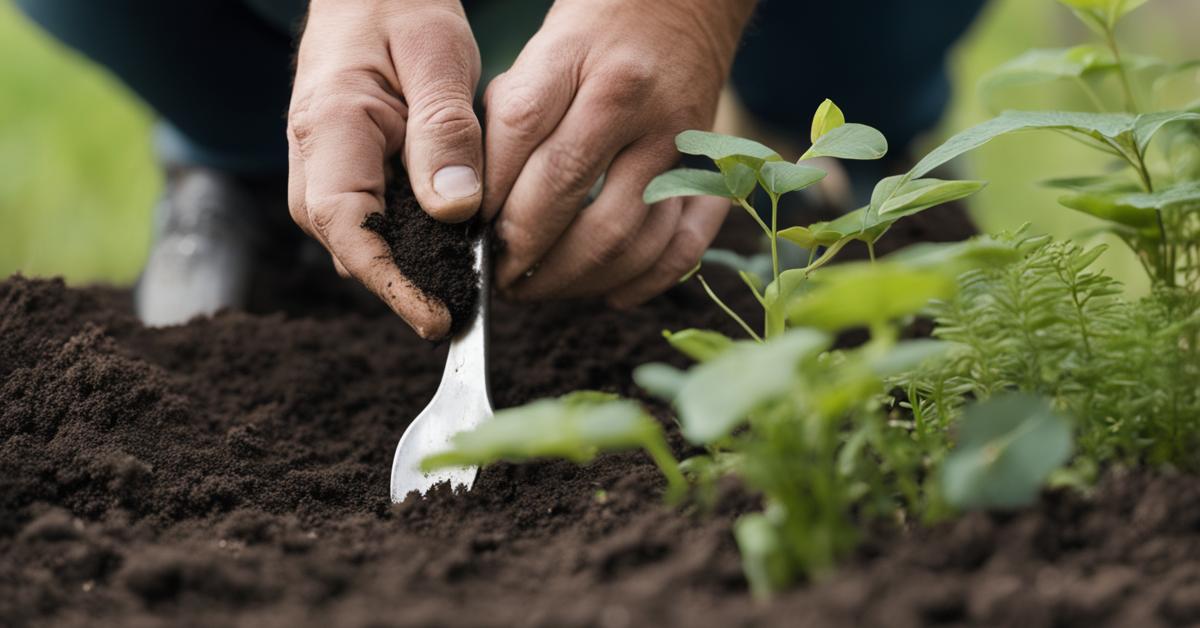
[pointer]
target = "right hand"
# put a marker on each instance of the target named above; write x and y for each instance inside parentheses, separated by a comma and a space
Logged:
(373, 78)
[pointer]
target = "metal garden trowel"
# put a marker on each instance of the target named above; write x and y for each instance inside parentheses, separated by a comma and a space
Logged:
(463, 400)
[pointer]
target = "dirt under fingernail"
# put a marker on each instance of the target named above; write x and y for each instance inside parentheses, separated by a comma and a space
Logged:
(435, 256)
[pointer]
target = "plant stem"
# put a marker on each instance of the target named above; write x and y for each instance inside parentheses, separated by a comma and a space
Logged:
(721, 304)
(754, 214)
(775, 236)
(1167, 263)
(1131, 101)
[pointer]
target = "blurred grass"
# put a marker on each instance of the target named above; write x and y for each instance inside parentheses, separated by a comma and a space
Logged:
(78, 178)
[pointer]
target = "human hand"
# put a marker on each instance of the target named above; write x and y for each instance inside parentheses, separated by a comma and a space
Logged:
(374, 78)
(603, 88)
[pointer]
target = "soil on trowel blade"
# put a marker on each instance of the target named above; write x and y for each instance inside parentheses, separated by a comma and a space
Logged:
(233, 471)
(434, 255)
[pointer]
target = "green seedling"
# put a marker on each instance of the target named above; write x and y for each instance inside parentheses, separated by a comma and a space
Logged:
(576, 427)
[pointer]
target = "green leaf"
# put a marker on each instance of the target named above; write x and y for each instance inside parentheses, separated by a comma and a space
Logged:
(1148, 125)
(1184, 195)
(849, 141)
(716, 146)
(764, 555)
(1043, 66)
(1007, 446)
(827, 118)
(1103, 184)
(573, 428)
(862, 294)
(700, 345)
(661, 380)
(740, 179)
(758, 264)
(719, 394)
(921, 194)
(685, 182)
(956, 258)
(812, 237)
(781, 177)
(1102, 15)
(576, 427)
(1109, 207)
(1095, 125)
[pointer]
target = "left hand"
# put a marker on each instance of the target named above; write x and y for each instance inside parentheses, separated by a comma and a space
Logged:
(603, 88)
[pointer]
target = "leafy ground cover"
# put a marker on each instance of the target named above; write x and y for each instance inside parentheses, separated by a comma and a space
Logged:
(1033, 347)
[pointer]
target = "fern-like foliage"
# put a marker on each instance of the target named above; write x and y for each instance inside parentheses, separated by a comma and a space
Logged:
(1127, 371)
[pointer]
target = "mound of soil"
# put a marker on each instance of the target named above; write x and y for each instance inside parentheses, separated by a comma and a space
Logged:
(434, 255)
(233, 471)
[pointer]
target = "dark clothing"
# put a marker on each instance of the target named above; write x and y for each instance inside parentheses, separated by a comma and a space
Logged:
(219, 71)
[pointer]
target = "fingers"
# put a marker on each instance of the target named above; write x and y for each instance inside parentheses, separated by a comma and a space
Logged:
(522, 107)
(613, 240)
(336, 180)
(437, 63)
(698, 225)
(554, 183)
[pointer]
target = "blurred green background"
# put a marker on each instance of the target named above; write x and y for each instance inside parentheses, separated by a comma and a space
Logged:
(78, 179)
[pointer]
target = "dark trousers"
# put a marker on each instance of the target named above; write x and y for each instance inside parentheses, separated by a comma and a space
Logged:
(219, 71)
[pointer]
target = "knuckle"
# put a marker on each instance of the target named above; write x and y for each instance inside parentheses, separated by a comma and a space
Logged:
(519, 109)
(610, 242)
(569, 168)
(628, 82)
(449, 116)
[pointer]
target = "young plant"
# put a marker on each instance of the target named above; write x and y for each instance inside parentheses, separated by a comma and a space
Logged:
(1150, 204)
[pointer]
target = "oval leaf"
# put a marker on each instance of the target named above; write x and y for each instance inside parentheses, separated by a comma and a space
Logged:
(849, 141)
(685, 182)
(1007, 446)
(717, 146)
(781, 177)
(827, 118)
(719, 394)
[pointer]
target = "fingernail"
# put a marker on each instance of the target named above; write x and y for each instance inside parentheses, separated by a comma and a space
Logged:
(455, 182)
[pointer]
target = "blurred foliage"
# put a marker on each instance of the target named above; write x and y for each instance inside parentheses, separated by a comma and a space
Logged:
(77, 174)
(78, 179)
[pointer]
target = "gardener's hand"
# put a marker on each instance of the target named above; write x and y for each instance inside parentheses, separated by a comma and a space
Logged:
(604, 86)
(373, 78)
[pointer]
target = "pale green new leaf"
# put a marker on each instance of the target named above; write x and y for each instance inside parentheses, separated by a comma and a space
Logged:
(661, 380)
(1040, 66)
(700, 345)
(827, 118)
(719, 394)
(863, 294)
(685, 182)
(812, 237)
(849, 141)
(1102, 15)
(781, 177)
(573, 427)
(716, 146)
(1007, 446)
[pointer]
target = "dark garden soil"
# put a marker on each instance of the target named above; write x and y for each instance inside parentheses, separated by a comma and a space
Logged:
(233, 471)
(434, 255)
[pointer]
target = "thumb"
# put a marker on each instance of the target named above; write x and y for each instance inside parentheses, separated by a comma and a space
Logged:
(443, 149)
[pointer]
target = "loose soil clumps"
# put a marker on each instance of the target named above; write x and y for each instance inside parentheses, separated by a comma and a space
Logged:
(434, 255)
(233, 471)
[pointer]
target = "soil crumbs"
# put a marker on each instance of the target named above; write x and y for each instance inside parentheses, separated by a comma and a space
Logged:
(434, 255)
(233, 471)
